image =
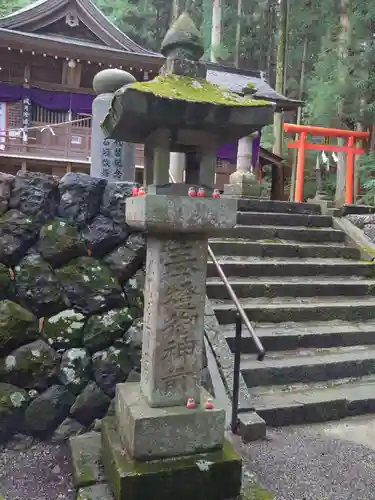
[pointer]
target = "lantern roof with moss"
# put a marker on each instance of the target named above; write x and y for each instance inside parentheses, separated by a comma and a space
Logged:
(181, 97)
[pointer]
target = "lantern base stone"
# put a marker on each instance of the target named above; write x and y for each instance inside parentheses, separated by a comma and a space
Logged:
(150, 433)
(206, 476)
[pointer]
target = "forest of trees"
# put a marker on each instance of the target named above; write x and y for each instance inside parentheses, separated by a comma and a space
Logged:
(319, 51)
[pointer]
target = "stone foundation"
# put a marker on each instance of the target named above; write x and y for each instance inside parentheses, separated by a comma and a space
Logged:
(208, 476)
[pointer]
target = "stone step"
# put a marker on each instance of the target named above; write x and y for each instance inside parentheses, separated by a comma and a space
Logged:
(296, 233)
(254, 205)
(246, 268)
(282, 249)
(283, 219)
(290, 287)
(308, 365)
(297, 309)
(315, 402)
(291, 336)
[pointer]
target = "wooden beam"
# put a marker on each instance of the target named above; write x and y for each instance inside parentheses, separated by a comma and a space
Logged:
(324, 132)
(326, 147)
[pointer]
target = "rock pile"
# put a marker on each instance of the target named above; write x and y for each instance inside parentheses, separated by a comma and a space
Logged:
(71, 301)
(366, 222)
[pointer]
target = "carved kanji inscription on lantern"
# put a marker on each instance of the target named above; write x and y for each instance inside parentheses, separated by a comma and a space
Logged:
(173, 320)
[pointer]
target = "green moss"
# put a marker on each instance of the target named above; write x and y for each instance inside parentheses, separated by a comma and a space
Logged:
(204, 477)
(29, 365)
(190, 89)
(60, 242)
(254, 492)
(65, 329)
(85, 474)
(17, 325)
(6, 285)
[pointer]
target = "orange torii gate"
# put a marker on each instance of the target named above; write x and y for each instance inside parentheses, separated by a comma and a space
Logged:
(301, 144)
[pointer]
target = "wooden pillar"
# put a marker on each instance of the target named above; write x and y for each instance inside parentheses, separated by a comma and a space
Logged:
(300, 168)
(349, 183)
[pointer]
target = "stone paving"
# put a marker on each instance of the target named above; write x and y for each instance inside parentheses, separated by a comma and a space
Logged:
(333, 461)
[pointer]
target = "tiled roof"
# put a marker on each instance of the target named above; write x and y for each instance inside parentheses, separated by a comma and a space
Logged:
(236, 81)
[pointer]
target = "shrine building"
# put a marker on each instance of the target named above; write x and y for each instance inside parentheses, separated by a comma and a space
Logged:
(50, 52)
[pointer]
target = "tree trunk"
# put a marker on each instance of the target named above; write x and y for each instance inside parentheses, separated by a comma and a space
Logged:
(237, 48)
(176, 9)
(343, 43)
(280, 74)
(216, 34)
(271, 40)
(299, 115)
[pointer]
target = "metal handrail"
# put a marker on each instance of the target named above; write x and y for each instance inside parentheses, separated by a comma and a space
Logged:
(233, 296)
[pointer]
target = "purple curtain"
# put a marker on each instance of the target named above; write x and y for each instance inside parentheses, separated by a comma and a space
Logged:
(11, 93)
(229, 151)
(53, 101)
(82, 103)
(255, 150)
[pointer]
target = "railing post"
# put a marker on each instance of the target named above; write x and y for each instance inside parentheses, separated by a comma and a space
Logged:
(300, 167)
(236, 374)
(349, 172)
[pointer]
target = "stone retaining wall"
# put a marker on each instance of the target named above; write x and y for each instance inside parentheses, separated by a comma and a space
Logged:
(71, 301)
(365, 222)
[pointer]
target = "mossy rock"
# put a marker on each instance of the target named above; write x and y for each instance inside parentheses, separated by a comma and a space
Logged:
(90, 404)
(35, 194)
(13, 402)
(37, 286)
(102, 235)
(64, 330)
(18, 232)
(124, 262)
(6, 181)
(133, 342)
(75, 369)
(90, 286)
(190, 89)
(48, 410)
(60, 242)
(111, 367)
(6, 284)
(31, 366)
(102, 330)
(80, 197)
(134, 295)
(68, 428)
(17, 326)
(20, 225)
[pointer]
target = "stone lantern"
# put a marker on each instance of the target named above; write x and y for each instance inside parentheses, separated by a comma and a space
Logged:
(158, 446)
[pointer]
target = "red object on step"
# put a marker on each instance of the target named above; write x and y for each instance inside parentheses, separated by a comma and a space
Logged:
(141, 191)
(191, 404)
(216, 194)
(192, 192)
(135, 191)
(208, 404)
(201, 193)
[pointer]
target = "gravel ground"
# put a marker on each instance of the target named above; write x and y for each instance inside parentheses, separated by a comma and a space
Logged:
(31, 470)
(323, 462)
(306, 463)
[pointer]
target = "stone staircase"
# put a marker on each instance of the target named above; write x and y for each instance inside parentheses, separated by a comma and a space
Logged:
(311, 301)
